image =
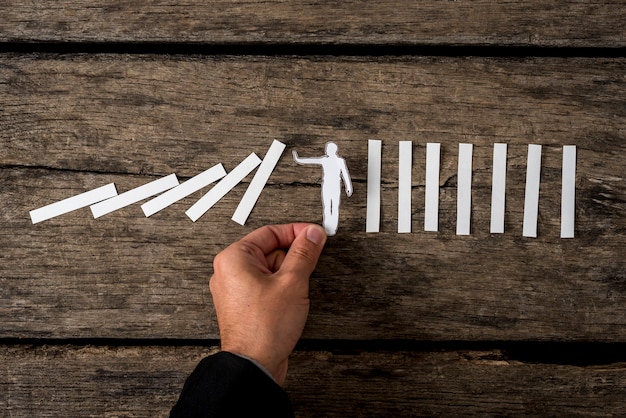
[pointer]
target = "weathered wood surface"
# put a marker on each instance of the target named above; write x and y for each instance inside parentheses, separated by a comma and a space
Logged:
(476, 22)
(71, 123)
(146, 381)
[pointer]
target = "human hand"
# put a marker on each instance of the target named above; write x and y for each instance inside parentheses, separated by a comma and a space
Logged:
(260, 290)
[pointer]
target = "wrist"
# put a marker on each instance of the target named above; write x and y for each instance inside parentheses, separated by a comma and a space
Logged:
(277, 372)
(256, 363)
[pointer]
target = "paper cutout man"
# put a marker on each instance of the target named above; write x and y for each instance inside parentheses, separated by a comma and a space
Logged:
(335, 170)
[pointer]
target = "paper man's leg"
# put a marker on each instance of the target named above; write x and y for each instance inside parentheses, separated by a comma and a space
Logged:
(328, 215)
(331, 215)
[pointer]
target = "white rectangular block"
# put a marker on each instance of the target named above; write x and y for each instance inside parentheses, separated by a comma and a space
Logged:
(183, 190)
(464, 190)
(258, 182)
(568, 191)
(223, 187)
(431, 209)
(134, 195)
(405, 164)
(498, 188)
(73, 203)
(374, 157)
(531, 199)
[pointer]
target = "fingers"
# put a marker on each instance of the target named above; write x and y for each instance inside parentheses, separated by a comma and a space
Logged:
(270, 237)
(275, 260)
(305, 250)
(304, 241)
(273, 237)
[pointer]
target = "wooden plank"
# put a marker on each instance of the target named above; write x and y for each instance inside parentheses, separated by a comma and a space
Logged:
(145, 381)
(479, 22)
(72, 123)
(93, 381)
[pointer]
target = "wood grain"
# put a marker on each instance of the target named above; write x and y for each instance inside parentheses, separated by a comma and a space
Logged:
(479, 22)
(146, 381)
(73, 123)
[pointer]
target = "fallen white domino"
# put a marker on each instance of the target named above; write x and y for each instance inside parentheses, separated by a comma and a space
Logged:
(134, 195)
(183, 190)
(224, 186)
(73, 203)
(258, 182)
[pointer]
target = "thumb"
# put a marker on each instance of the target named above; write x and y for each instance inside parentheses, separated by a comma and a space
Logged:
(304, 252)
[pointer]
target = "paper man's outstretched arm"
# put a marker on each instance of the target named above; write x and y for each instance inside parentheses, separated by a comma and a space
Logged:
(346, 177)
(317, 161)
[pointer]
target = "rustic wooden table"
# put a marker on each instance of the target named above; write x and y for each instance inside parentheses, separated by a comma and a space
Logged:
(106, 317)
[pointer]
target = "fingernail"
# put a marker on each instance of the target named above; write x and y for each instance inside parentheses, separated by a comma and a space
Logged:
(316, 234)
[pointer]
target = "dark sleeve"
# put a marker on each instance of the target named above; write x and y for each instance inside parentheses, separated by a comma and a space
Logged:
(226, 385)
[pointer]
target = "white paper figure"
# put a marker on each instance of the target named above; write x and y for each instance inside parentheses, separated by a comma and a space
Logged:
(335, 170)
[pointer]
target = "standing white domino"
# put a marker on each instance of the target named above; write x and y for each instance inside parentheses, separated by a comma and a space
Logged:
(464, 190)
(134, 195)
(431, 209)
(498, 188)
(531, 199)
(258, 182)
(372, 221)
(568, 191)
(73, 203)
(223, 187)
(404, 186)
(185, 189)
